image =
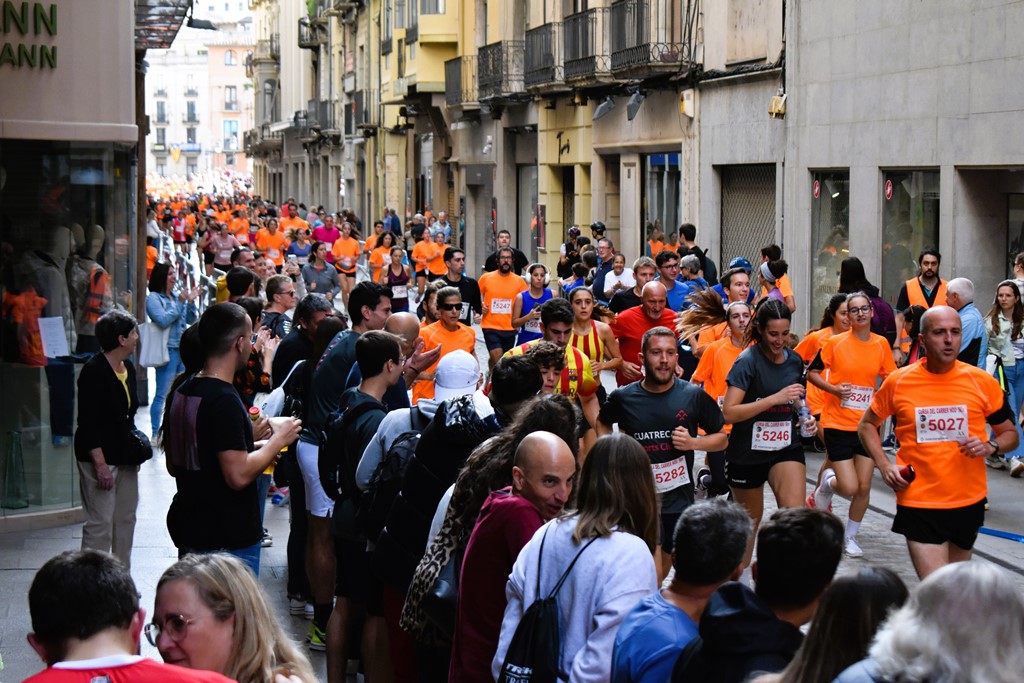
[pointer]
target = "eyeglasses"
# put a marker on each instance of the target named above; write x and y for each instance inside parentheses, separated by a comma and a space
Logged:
(857, 311)
(290, 292)
(449, 307)
(671, 266)
(175, 626)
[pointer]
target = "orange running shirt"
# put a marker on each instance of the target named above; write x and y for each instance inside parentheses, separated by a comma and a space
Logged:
(712, 334)
(808, 348)
(498, 292)
(378, 257)
(930, 411)
(848, 359)
(435, 335)
(713, 368)
(435, 262)
(272, 245)
(286, 224)
(422, 251)
(346, 251)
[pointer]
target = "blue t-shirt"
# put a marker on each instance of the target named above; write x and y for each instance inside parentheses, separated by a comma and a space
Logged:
(529, 303)
(649, 641)
(677, 296)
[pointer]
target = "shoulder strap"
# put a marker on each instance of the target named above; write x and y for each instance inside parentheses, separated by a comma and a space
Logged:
(417, 420)
(288, 376)
(565, 575)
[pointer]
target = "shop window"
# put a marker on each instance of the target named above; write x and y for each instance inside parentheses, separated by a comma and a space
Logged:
(830, 234)
(910, 223)
(661, 197)
(66, 210)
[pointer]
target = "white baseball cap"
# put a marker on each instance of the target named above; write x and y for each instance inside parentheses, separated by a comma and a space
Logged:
(457, 375)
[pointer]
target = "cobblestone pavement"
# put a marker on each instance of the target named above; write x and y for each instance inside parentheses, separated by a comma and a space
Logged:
(22, 553)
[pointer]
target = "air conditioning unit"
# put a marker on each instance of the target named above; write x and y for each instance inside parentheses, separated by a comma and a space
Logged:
(777, 106)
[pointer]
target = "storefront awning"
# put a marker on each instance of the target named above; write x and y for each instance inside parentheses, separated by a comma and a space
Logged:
(157, 22)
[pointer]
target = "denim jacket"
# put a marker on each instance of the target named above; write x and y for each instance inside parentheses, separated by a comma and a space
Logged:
(168, 311)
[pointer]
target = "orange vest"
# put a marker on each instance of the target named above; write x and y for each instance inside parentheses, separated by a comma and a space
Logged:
(915, 295)
(97, 300)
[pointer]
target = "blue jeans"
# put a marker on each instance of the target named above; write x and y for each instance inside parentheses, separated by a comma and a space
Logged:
(1015, 379)
(250, 555)
(164, 378)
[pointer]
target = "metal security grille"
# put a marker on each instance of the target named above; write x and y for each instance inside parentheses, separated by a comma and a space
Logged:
(748, 211)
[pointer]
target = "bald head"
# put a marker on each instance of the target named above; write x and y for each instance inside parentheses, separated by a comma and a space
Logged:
(407, 326)
(544, 472)
(653, 299)
(939, 315)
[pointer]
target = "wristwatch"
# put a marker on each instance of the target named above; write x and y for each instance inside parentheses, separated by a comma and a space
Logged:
(994, 445)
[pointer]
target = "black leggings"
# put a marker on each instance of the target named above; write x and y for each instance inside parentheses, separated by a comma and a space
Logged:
(715, 461)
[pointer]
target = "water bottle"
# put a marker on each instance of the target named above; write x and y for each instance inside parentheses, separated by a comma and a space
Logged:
(804, 416)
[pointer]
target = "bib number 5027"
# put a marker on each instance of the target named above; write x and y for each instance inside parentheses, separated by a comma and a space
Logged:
(936, 424)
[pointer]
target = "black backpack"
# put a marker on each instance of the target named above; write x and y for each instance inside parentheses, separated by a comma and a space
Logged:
(536, 647)
(337, 472)
(386, 481)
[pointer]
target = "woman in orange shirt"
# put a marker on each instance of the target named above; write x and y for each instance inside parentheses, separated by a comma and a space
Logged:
(380, 254)
(346, 252)
(854, 361)
(833, 321)
(713, 368)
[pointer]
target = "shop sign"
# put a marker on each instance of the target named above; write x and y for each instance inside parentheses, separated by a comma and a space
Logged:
(28, 20)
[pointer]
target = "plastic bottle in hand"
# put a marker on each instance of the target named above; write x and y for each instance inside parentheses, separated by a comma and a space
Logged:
(805, 418)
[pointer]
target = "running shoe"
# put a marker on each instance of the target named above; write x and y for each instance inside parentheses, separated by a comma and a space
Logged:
(308, 612)
(851, 549)
(700, 489)
(296, 606)
(997, 463)
(316, 638)
(268, 540)
(823, 496)
(1016, 467)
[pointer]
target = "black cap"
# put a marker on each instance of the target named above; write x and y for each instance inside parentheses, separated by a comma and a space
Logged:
(597, 226)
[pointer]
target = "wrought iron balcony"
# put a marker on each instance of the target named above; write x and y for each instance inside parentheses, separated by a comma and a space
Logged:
(158, 148)
(386, 45)
(543, 55)
(259, 142)
(460, 81)
(585, 35)
(500, 69)
(312, 34)
(644, 41)
(191, 91)
(161, 118)
(160, 92)
(275, 46)
(191, 148)
(190, 118)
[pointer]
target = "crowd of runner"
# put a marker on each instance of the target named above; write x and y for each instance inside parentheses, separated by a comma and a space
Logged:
(437, 501)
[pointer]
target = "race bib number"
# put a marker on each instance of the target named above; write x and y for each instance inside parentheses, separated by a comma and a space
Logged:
(532, 326)
(224, 255)
(941, 423)
(501, 306)
(273, 253)
(859, 398)
(400, 291)
(721, 401)
(346, 263)
(771, 436)
(670, 475)
(464, 313)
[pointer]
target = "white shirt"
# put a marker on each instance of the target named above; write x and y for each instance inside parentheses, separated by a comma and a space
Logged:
(626, 279)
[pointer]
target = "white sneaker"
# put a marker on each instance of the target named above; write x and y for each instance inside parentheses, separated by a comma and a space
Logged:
(997, 463)
(851, 548)
(1016, 467)
(822, 495)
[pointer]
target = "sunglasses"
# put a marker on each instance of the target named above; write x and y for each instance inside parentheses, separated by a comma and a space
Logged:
(449, 307)
(175, 626)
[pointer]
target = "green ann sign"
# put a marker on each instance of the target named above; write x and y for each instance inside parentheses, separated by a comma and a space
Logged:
(27, 20)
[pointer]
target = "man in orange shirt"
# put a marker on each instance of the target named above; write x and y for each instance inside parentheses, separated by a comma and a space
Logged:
(272, 242)
(448, 333)
(423, 252)
(941, 406)
(292, 220)
(498, 290)
(436, 267)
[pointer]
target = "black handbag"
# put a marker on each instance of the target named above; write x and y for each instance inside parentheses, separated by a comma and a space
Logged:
(440, 603)
(139, 448)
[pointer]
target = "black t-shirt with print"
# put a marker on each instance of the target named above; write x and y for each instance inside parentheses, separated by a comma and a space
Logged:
(208, 417)
(759, 378)
(650, 419)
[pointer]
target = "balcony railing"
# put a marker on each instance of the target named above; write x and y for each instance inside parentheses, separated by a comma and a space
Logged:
(159, 148)
(412, 32)
(641, 38)
(386, 45)
(585, 35)
(460, 81)
(190, 118)
(543, 55)
(275, 46)
(160, 92)
(231, 106)
(311, 35)
(191, 91)
(260, 141)
(192, 148)
(161, 118)
(500, 69)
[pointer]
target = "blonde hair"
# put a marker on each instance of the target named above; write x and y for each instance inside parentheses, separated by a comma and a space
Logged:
(259, 649)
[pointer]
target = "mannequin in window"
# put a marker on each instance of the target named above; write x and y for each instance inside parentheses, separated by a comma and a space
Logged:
(44, 269)
(90, 285)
